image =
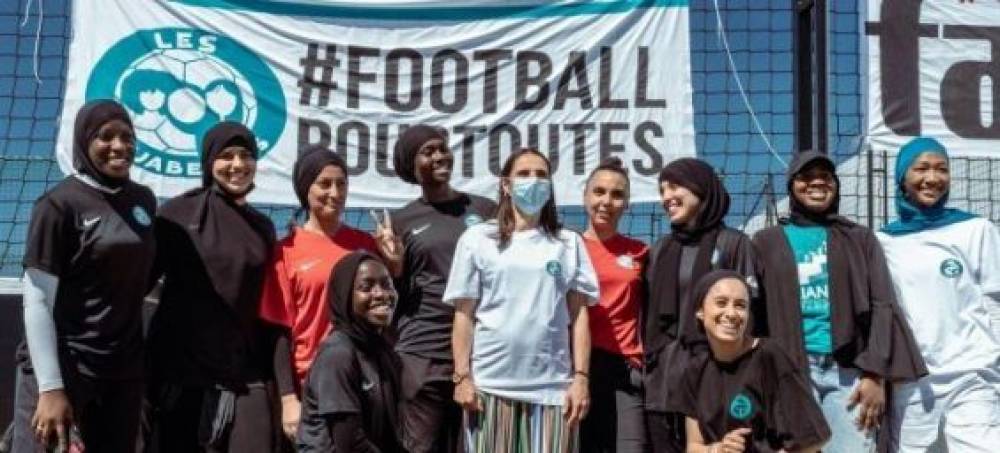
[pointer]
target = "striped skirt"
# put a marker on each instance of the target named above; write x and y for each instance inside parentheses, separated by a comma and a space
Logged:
(509, 426)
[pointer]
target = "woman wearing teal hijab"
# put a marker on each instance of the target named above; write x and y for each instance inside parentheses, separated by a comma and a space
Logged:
(946, 273)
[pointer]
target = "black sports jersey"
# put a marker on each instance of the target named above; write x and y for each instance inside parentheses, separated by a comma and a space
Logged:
(430, 232)
(100, 245)
(761, 390)
(346, 381)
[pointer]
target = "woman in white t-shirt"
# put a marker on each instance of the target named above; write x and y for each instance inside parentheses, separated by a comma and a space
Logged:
(521, 340)
(947, 276)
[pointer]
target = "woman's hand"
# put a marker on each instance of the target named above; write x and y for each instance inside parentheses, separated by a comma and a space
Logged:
(870, 393)
(291, 411)
(577, 400)
(465, 395)
(390, 246)
(734, 441)
(54, 415)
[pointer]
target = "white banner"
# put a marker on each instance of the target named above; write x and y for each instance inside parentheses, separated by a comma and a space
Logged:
(934, 69)
(578, 80)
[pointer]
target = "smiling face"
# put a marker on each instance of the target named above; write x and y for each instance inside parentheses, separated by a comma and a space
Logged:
(606, 198)
(433, 162)
(725, 311)
(815, 187)
(927, 180)
(113, 149)
(233, 169)
(374, 297)
(680, 204)
(328, 193)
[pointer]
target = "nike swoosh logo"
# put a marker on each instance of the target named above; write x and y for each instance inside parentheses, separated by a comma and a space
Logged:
(419, 230)
(308, 265)
(87, 223)
(366, 385)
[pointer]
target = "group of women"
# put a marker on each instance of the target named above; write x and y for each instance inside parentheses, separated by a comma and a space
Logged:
(468, 325)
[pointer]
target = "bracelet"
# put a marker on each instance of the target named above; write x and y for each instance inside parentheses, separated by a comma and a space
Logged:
(581, 373)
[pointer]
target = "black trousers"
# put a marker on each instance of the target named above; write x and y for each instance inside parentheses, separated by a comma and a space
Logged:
(616, 421)
(666, 432)
(177, 417)
(430, 418)
(106, 412)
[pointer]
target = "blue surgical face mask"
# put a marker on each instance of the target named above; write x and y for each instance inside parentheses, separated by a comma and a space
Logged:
(530, 194)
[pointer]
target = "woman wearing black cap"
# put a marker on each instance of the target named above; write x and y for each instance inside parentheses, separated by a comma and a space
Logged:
(745, 395)
(430, 227)
(295, 289)
(211, 354)
(89, 250)
(831, 305)
(696, 202)
(349, 399)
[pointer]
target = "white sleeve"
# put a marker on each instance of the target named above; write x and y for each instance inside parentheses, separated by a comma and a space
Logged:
(987, 262)
(584, 281)
(40, 328)
(463, 279)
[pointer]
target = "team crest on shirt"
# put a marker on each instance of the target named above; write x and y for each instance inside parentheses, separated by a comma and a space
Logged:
(626, 261)
(951, 268)
(741, 407)
(553, 268)
(140, 216)
(473, 219)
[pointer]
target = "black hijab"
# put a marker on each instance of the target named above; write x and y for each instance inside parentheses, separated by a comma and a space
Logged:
(89, 120)
(867, 329)
(234, 241)
(665, 302)
(309, 165)
(362, 334)
(707, 281)
(407, 146)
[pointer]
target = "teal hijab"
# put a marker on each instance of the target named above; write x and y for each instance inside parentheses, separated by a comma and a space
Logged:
(913, 217)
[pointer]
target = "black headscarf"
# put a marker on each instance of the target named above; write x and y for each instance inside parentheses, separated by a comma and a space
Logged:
(405, 151)
(707, 281)
(309, 165)
(89, 121)
(866, 327)
(234, 241)
(363, 335)
(665, 302)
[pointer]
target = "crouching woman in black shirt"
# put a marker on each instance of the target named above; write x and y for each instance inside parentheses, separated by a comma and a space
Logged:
(745, 395)
(349, 401)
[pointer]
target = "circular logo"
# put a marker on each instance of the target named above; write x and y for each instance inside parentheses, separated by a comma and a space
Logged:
(741, 407)
(951, 268)
(177, 83)
(625, 261)
(553, 268)
(473, 219)
(140, 216)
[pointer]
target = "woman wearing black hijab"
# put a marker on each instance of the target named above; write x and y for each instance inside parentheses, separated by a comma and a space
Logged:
(350, 396)
(831, 305)
(89, 248)
(211, 356)
(696, 202)
(745, 394)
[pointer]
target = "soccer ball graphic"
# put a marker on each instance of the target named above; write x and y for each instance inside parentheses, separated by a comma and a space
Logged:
(176, 95)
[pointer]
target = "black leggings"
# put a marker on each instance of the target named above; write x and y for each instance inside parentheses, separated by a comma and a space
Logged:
(176, 420)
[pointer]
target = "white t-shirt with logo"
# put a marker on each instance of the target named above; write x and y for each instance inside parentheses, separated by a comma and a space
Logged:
(947, 280)
(521, 341)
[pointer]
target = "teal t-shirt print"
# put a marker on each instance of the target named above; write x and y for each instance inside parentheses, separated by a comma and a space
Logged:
(809, 247)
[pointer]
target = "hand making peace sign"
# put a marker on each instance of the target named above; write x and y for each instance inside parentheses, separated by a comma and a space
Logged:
(389, 245)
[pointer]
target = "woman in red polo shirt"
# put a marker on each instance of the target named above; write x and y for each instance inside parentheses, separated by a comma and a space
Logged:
(615, 422)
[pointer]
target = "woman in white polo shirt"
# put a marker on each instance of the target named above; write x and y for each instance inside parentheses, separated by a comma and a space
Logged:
(946, 273)
(521, 340)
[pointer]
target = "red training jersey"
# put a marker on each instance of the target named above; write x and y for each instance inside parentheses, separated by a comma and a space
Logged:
(296, 286)
(614, 320)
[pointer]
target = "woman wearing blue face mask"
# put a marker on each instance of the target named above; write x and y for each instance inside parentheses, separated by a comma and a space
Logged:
(521, 338)
(947, 278)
